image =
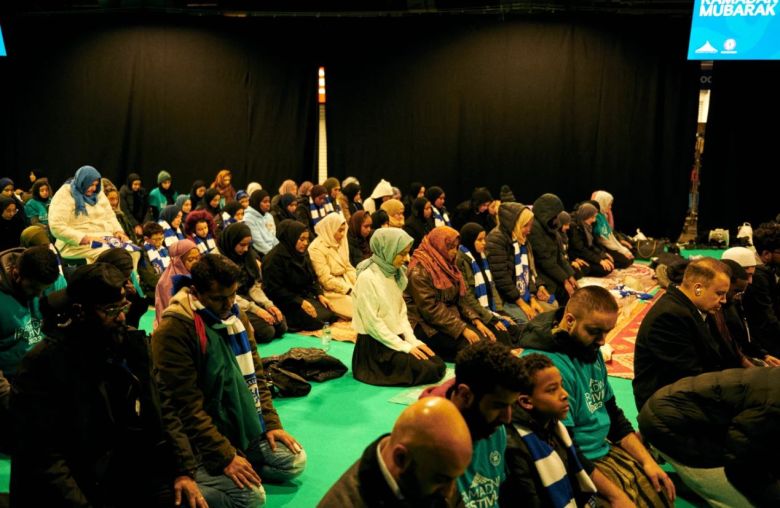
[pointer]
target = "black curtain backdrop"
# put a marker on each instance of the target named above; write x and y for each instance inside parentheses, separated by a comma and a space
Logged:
(557, 106)
(542, 104)
(190, 96)
(740, 179)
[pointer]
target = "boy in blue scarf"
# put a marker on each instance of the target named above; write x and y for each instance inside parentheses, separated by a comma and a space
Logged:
(544, 468)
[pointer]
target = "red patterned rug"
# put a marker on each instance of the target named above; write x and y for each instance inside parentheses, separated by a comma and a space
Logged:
(622, 339)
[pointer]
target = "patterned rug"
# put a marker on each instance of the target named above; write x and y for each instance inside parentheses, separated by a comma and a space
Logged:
(621, 341)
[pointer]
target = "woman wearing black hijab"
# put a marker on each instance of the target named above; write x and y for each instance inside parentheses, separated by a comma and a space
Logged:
(481, 294)
(134, 203)
(210, 203)
(235, 243)
(285, 209)
(11, 224)
(197, 192)
(419, 222)
(291, 281)
(349, 201)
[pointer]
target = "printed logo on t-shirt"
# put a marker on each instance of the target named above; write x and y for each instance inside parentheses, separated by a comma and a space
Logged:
(596, 394)
(483, 491)
(30, 332)
(495, 458)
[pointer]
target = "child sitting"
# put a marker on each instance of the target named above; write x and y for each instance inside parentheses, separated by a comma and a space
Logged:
(170, 220)
(232, 213)
(200, 227)
(155, 257)
(544, 466)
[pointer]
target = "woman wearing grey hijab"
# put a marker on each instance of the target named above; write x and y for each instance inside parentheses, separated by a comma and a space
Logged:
(387, 353)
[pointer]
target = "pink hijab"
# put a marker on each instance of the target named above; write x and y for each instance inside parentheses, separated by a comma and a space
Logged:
(164, 291)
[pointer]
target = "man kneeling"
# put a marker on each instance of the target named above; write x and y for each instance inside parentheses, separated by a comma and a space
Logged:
(211, 379)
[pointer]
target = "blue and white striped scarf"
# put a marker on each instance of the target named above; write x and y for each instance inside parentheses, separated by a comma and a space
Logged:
(439, 218)
(482, 287)
(171, 235)
(227, 220)
(205, 246)
(319, 212)
(114, 243)
(522, 271)
(59, 259)
(232, 329)
(552, 470)
(159, 258)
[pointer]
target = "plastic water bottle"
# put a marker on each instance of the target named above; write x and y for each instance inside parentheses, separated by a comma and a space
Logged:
(326, 337)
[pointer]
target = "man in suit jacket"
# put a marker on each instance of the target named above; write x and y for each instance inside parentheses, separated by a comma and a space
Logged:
(674, 340)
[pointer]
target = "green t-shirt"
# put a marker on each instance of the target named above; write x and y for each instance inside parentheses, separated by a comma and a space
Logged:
(20, 330)
(478, 486)
(588, 390)
(34, 208)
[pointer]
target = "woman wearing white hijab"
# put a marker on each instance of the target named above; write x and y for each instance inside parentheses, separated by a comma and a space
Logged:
(387, 353)
(329, 254)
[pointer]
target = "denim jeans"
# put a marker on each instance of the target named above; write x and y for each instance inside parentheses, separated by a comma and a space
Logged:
(273, 466)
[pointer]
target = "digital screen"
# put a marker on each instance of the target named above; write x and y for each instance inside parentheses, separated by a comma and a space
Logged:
(2, 43)
(735, 30)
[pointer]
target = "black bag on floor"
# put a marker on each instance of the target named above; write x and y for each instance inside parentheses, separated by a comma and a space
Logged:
(284, 383)
(648, 249)
(310, 363)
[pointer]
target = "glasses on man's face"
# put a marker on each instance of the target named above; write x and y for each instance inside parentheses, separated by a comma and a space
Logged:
(113, 311)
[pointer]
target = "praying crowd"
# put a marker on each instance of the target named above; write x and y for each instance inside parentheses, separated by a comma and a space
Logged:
(95, 412)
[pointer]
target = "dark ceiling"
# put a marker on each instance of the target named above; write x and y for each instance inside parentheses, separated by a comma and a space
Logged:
(353, 8)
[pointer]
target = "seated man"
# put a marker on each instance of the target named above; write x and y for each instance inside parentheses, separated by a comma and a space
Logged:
(87, 410)
(674, 339)
(487, 383)
(211, 379)
(731, 324)
(24, 275)
(416, 465)
(543, 466)
(762, 298)
(719, 431)
(624, 470)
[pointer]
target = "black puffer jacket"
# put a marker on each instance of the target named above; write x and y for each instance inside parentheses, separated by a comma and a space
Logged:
(718, 419)
(551, 264)
(501, 253)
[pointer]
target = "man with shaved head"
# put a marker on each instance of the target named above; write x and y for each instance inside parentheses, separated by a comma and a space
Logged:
(416, 465)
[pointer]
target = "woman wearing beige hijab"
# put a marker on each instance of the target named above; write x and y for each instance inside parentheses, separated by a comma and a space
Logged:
(395, 210)
(329, 254)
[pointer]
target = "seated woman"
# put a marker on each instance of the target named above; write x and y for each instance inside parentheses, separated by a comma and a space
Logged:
(197, 193)
(437, 197)
(551, 265)
(134, 203)
(170, 220)
(8, 189)
(605, 234)
(481, 295)
(285, 209)
(511, 263)
(358, 236)
(80, 214)
(37, 207)
(200, 229)
(420, 222)
(435, 294)
(114, 200)
(182, 255)
(162, 195)
(583, 246)
(387, 353)
(184, 203)
(210, 203)
(235, 243)
(313, 208)
(222, 183)
(329, 255)
(260, 221)
(11, 223)
(349, 200)
(291, 281)
(395, 212)
(243, 198)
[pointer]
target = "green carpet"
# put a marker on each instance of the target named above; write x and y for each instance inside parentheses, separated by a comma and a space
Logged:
(336, 421)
